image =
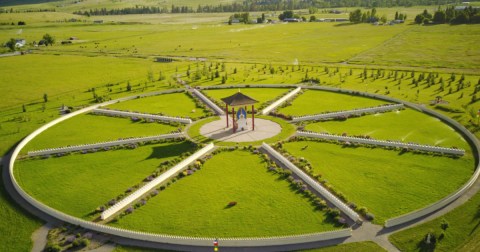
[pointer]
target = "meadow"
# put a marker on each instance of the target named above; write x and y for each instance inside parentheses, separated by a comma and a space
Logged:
(79, 183)
(316, 102)
(402, 182)
(88, 128)
(406, 125)
(167, 104)
(266, 205)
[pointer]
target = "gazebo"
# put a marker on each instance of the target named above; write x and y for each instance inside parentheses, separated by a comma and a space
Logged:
(240, 118)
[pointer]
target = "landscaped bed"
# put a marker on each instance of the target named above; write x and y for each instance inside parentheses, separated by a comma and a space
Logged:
(386, 182)
(406, 125)
(316, 102)
(87, 128)
(177, 104)
(198, 205)
(79, 183)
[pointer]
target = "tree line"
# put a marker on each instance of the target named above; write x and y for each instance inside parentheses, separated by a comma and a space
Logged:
(260, 5)
(450, 15)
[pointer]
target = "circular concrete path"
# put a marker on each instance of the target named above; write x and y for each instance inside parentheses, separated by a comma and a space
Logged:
(263, 129)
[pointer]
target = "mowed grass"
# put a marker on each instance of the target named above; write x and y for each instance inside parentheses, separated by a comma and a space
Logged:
(266, 205)
(387, 183)
(16, 226)
(425, 46)
(462, 234)
(315, 102)
(177, 104)
(262, 95)
(406, 125)
(88, 128)
(78, 184)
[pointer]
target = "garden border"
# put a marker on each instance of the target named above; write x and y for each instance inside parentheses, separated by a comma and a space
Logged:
(377, 109)
(113, 112)
(277, 103)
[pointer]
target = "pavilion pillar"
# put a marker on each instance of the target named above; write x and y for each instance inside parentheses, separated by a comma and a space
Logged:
(233, 120)
(253, 117)
(226, 112)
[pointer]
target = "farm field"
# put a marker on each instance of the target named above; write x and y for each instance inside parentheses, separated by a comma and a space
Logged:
(88, 128)
(266, 205)
(402, 182)
(406, 125)
(79, 183)
(167, 104)
(316, 102)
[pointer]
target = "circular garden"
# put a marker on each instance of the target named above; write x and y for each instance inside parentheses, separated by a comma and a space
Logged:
(237, 190)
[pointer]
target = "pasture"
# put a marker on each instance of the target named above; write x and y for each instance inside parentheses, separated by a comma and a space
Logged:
(77, 184)
(386, 182)
(266, 205)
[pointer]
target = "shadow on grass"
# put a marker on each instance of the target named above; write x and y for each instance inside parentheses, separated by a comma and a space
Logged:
(173, 150)
(345, 24)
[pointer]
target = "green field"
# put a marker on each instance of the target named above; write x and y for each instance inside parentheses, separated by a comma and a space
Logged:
(461, 235)
(315, 102)
(406, 125)
(262, 95)
(387, 183)
(88, 128)
(266, 205)
(78, 184)
(167, 104)
(16, 226)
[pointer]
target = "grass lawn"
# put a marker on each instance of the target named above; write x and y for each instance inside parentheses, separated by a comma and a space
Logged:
(315, 102)
(387, 183)
(78, 184)
(167, 104)
(287, 131)
(461, 235)
(266, 205)
(367, 246)
(16, 226)
(260, 94)
(87, 128)
(407, 125)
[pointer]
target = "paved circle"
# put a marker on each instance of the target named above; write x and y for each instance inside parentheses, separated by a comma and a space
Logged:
(263, 129)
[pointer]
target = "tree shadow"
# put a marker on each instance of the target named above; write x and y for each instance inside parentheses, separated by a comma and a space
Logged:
(345, 24)
(167, 151)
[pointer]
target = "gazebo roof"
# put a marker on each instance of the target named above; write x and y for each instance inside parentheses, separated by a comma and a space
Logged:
(239, 99)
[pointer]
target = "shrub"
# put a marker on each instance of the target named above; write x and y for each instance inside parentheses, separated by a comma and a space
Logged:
(369, 216)
(444, 225)
(334, 212)
(362, 210)
(53, 247)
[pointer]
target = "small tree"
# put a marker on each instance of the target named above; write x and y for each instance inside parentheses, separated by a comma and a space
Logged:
(24, 109)
(49, 39)
(45, 97)
(11, 44)
(129, 87)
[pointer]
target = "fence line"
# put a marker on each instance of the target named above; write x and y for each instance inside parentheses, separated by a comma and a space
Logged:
(378, 109)
(209, 103)
(142, 115)
(154, 183)
(414, 146)
(103, 144)
(314, 184)
(277, 103)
